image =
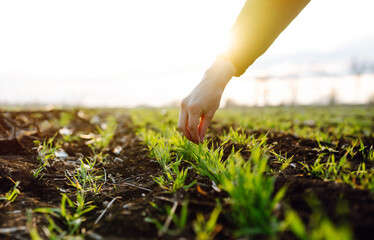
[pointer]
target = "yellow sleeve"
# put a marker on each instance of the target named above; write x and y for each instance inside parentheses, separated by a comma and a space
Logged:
(259, 23)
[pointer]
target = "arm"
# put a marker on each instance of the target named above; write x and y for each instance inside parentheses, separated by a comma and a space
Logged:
(259, 23)
(257, 26)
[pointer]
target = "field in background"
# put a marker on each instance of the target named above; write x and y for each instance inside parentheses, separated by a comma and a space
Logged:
(263, 173)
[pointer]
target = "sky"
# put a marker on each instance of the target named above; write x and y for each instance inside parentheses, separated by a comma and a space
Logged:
(127, 53)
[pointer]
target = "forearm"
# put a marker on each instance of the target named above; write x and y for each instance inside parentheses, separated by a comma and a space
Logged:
(259, 23)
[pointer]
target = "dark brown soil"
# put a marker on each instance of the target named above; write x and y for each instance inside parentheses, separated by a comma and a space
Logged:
(130, 187)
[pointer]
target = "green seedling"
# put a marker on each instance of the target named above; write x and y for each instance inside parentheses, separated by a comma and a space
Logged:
(207, 229)
(237, 136)
(251, 193)
(205, 161)
(162, 182)
(294, 223)
(350, 149)
(158, 147)
(12, 194)
(331, 170)
(362, 149)
(174, 179)
(361, 170)
(65, 118)
(31, 226)
(371, 154)
(334, 169)
(105, 134)
(179, 222)
(180, 178)
(323, 148)
(97, 156)
(46, 152)
(87, 178)
(71, 219)
(361, 178)
(320, 226)
(284, 160)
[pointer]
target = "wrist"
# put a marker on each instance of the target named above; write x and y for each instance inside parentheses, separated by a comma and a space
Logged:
(220, 72)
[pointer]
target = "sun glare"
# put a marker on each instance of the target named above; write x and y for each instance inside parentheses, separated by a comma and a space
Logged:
(61, 45)
(224, 43)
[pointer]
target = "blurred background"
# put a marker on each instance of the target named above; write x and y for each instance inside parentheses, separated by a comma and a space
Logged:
(152, 53)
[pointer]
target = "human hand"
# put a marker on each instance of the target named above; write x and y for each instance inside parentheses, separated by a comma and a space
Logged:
(199, 107)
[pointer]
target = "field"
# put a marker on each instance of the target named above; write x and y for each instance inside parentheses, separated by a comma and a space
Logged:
(263, 173)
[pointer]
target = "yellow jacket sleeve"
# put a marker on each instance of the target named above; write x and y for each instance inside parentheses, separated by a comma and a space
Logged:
(257, 26)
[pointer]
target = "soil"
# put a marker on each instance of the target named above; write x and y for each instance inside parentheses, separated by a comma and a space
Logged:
(126, 195)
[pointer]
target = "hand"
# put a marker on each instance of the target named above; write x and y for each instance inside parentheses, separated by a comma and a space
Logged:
(199, 107)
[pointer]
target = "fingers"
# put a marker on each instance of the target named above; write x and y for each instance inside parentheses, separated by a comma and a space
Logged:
(189, 122)
(183, 123)
(193, 127)
(204, 124)
(193, 124)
